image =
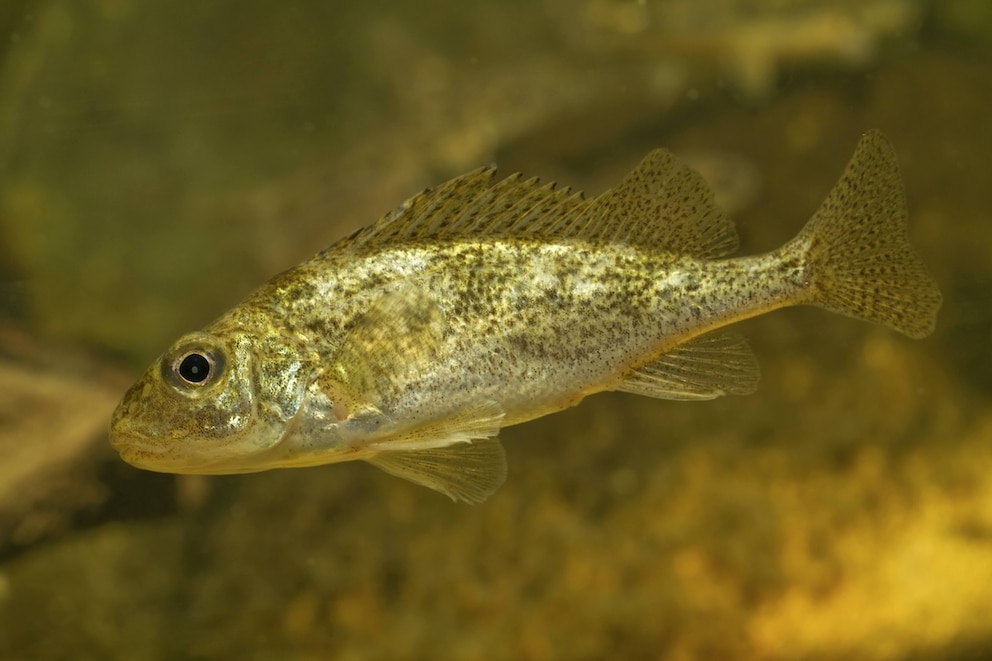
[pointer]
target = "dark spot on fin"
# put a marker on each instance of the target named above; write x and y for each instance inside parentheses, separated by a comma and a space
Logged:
(715, 364)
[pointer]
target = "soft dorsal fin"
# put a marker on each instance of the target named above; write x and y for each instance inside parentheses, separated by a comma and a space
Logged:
(662, 204)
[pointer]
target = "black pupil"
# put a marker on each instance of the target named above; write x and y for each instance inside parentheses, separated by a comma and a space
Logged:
(195, 368)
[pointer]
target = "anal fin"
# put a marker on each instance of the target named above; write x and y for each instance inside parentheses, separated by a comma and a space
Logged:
(709, 366)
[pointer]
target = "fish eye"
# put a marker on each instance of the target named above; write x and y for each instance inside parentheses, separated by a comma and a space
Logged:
(194, 368)
(193, 364)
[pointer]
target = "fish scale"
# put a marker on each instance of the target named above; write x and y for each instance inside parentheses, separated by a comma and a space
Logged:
(477, 305)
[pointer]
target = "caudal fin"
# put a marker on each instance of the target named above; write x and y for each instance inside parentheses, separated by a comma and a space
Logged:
(857, 249)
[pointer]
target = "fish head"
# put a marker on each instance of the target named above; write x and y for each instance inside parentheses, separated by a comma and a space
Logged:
(211, 404)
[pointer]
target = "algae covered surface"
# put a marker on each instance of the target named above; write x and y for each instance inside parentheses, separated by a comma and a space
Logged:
(156, 164)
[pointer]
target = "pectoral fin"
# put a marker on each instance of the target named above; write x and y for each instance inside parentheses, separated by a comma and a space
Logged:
(396, 337)
(706, 367)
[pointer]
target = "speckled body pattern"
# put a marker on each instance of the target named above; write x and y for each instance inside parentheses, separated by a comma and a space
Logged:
(476, 306)
(531, 325)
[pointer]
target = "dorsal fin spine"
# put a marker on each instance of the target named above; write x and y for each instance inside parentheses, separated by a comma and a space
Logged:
(661, 205)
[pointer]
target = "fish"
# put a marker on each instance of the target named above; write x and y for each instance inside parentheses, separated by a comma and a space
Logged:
(480, 304)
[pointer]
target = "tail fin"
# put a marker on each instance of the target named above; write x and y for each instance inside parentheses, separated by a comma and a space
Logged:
(857, 249)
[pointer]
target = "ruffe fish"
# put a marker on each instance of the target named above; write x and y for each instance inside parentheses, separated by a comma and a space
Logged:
(477, 305)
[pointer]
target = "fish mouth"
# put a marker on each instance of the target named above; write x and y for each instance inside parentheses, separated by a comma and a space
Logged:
(157, 453)
(140, 455)
(131, 446)
(159, 457)
(137, 451)
(158, 460)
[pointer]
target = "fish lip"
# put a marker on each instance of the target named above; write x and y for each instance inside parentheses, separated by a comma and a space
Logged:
(144, 452)
(134, 451)
(151, 458)
(138, 452)
(125, 440)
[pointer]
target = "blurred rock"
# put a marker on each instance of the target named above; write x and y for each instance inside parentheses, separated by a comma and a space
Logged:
(749, 41)
(57, 471)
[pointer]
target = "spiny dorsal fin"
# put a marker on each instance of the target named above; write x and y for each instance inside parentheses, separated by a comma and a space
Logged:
(706, 367)
(661, 204)
(428, 213)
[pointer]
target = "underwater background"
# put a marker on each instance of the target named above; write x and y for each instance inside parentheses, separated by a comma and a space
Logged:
(160, 160)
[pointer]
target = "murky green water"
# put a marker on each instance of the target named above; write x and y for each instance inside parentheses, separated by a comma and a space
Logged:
(157, 162)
